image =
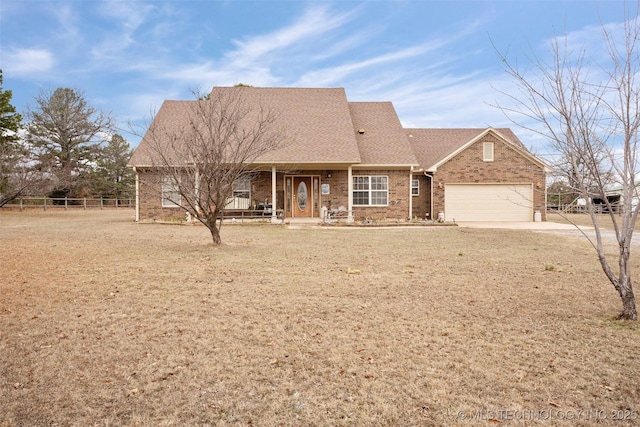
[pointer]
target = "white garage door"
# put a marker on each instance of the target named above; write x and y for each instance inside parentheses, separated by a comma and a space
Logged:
(488, 202)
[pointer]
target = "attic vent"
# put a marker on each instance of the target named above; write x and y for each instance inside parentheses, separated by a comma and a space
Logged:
(361, 131)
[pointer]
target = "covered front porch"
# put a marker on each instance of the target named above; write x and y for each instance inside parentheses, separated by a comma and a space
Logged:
(300, 195)
(337, 193)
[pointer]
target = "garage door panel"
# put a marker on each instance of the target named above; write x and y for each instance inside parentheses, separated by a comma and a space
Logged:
(488, 202)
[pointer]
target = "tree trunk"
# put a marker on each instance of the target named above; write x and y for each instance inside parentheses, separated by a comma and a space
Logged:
(625, 286)
(629, 308)
(215, 232)
(629, 311)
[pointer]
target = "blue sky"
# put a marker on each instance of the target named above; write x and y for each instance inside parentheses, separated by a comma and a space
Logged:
(434, 60)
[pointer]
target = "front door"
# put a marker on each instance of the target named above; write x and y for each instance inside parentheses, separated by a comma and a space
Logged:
(302, 197)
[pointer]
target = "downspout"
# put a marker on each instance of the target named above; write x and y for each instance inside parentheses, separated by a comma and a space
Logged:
(431, 190)
(410, 193)
(137, 194)
(350, 218)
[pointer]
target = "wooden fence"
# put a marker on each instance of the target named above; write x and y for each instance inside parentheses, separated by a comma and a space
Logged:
(65, 203)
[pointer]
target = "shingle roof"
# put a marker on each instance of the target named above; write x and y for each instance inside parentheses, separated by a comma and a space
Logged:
(317, 124)
(383, 140)
(318, 120)
(172, 115)
(431, 146)
(321, 127)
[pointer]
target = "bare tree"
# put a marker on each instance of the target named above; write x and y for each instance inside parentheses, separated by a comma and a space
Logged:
(205, 146)
(593, 124)
(17, 176)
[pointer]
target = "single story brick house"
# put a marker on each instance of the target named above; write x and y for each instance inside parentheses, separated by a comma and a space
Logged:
(355, 160)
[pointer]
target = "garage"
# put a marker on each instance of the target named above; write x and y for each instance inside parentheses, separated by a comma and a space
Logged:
(488, 202)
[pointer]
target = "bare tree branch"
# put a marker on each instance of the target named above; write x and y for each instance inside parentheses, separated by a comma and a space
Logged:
(593, 123)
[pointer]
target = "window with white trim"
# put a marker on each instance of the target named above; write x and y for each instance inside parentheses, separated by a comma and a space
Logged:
(170, 192)
(370, 190)
(415, 187)
(487, 151)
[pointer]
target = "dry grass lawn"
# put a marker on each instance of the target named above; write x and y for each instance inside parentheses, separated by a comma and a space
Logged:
(107, 322)
(604, 220)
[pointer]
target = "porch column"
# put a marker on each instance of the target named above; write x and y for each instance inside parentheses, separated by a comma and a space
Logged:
(274, 215)
(411, 194)
(137, 195)
(197, 184)
(350, 195)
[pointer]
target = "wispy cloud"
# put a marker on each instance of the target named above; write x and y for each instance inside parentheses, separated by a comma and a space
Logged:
(24, 61)
(316, 22)
(255, 59)
(126, 18)
(217, 73)
(333, 75)
(67, 20)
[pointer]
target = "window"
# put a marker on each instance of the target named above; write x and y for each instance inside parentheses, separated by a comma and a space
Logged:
(487, 151)
(415, 187)
(242, 187)
(241, 194)
(370, 190)
(170, 192)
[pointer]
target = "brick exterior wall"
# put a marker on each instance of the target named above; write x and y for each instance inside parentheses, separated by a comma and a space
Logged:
(338, 191)
(422, 202)
(398, 197)
(150, 199)
(508, 166)
(261, 189)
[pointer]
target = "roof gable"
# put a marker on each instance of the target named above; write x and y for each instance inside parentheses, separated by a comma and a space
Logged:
(434, 147)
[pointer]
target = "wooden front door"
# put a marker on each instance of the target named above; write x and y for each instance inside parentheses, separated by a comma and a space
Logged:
(302, 197)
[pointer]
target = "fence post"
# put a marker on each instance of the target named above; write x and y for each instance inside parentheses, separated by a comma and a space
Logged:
(21, 204)
(65, 203)
(85, 203)
(45, 203)
(101, 202)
